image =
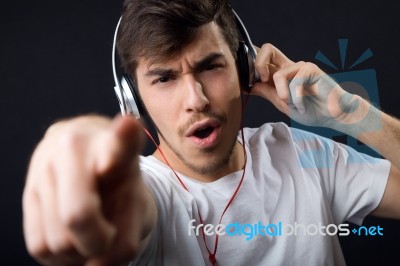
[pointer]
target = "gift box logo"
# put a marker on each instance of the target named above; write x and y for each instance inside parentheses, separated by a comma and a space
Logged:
(360, 82)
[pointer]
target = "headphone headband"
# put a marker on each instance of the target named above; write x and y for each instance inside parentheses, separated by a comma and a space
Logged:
(246, 37)
(129, 101)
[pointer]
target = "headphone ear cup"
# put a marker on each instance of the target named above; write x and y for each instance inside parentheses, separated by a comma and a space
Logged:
(243, 66)
(134, 99)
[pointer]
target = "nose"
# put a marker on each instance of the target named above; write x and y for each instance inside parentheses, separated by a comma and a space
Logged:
(194, 97)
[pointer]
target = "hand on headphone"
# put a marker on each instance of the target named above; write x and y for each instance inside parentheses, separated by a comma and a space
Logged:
(84, 202)
(304, 92)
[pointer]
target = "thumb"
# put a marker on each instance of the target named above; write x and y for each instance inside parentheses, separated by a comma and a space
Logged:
(265, 90)
(268, 92)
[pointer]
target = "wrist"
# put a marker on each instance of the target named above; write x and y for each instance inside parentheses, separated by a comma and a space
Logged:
(359, 117)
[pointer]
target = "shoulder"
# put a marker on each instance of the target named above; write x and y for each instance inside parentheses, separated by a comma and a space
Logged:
(280, 133)
(268, 132)
(282, 142)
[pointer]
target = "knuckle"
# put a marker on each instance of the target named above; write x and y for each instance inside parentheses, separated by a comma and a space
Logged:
(37, 249)
(77, 123)
(277, 75)
(59, 245)
(259, 65)
(267, 47)
(133, 249)
(71, 138)
(54, 127)
(310, 66)
(67, 148)
(77, 217)
(63, 134)
(285, 98)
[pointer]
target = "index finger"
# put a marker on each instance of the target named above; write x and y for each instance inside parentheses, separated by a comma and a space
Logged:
(269, 60)
(81, 168)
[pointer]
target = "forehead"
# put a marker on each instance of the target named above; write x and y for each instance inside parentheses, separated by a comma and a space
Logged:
(209, 40)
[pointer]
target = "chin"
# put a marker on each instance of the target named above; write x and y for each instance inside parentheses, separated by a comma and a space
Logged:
(208, 164)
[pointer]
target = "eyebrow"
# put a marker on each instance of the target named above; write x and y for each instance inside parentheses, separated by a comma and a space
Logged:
(197, 65)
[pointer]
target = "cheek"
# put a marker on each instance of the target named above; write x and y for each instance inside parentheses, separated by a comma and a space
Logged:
(231, 95)
(225, 88)
(158, 110)
(234, 102)
(161, 114)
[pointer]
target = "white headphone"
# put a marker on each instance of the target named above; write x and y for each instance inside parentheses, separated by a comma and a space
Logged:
(130, 102)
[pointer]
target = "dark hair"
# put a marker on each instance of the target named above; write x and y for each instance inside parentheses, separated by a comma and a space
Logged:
(159, 29)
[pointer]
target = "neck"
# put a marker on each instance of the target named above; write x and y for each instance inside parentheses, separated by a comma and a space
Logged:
(235, 163)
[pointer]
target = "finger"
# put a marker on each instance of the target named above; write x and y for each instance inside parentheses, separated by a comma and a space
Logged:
(297, 95)
(55, 234)
(128, 218)
(112, 152)
(125, 248)
(304, 85)
(300, 88)
(78, 200)
(32, 225)
(57, 237)
(124, 141)
(269, 92)
(32, 219)
(269, 60)
(126, 127)
(282, 79)
(37, 240)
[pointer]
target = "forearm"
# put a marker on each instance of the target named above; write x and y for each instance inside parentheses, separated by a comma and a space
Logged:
(149, 217)
(377, 130)
(385, 139)
(149, 214)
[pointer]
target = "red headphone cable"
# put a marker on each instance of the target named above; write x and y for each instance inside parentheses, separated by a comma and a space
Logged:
(212, 255)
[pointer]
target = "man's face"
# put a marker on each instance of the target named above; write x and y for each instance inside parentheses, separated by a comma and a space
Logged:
(194, 100)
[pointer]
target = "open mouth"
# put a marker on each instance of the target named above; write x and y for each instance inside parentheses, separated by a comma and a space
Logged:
(204, 132)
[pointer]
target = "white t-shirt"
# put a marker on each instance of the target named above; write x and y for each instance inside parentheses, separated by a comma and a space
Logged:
(292, 178)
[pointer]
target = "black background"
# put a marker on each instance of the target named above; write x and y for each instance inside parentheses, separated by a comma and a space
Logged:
(56, 63)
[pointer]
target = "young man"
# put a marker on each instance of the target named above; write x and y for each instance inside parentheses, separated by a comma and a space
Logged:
(91, 199)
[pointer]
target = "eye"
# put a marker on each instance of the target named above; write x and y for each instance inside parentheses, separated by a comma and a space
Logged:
(210, 67)
(162, 79)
